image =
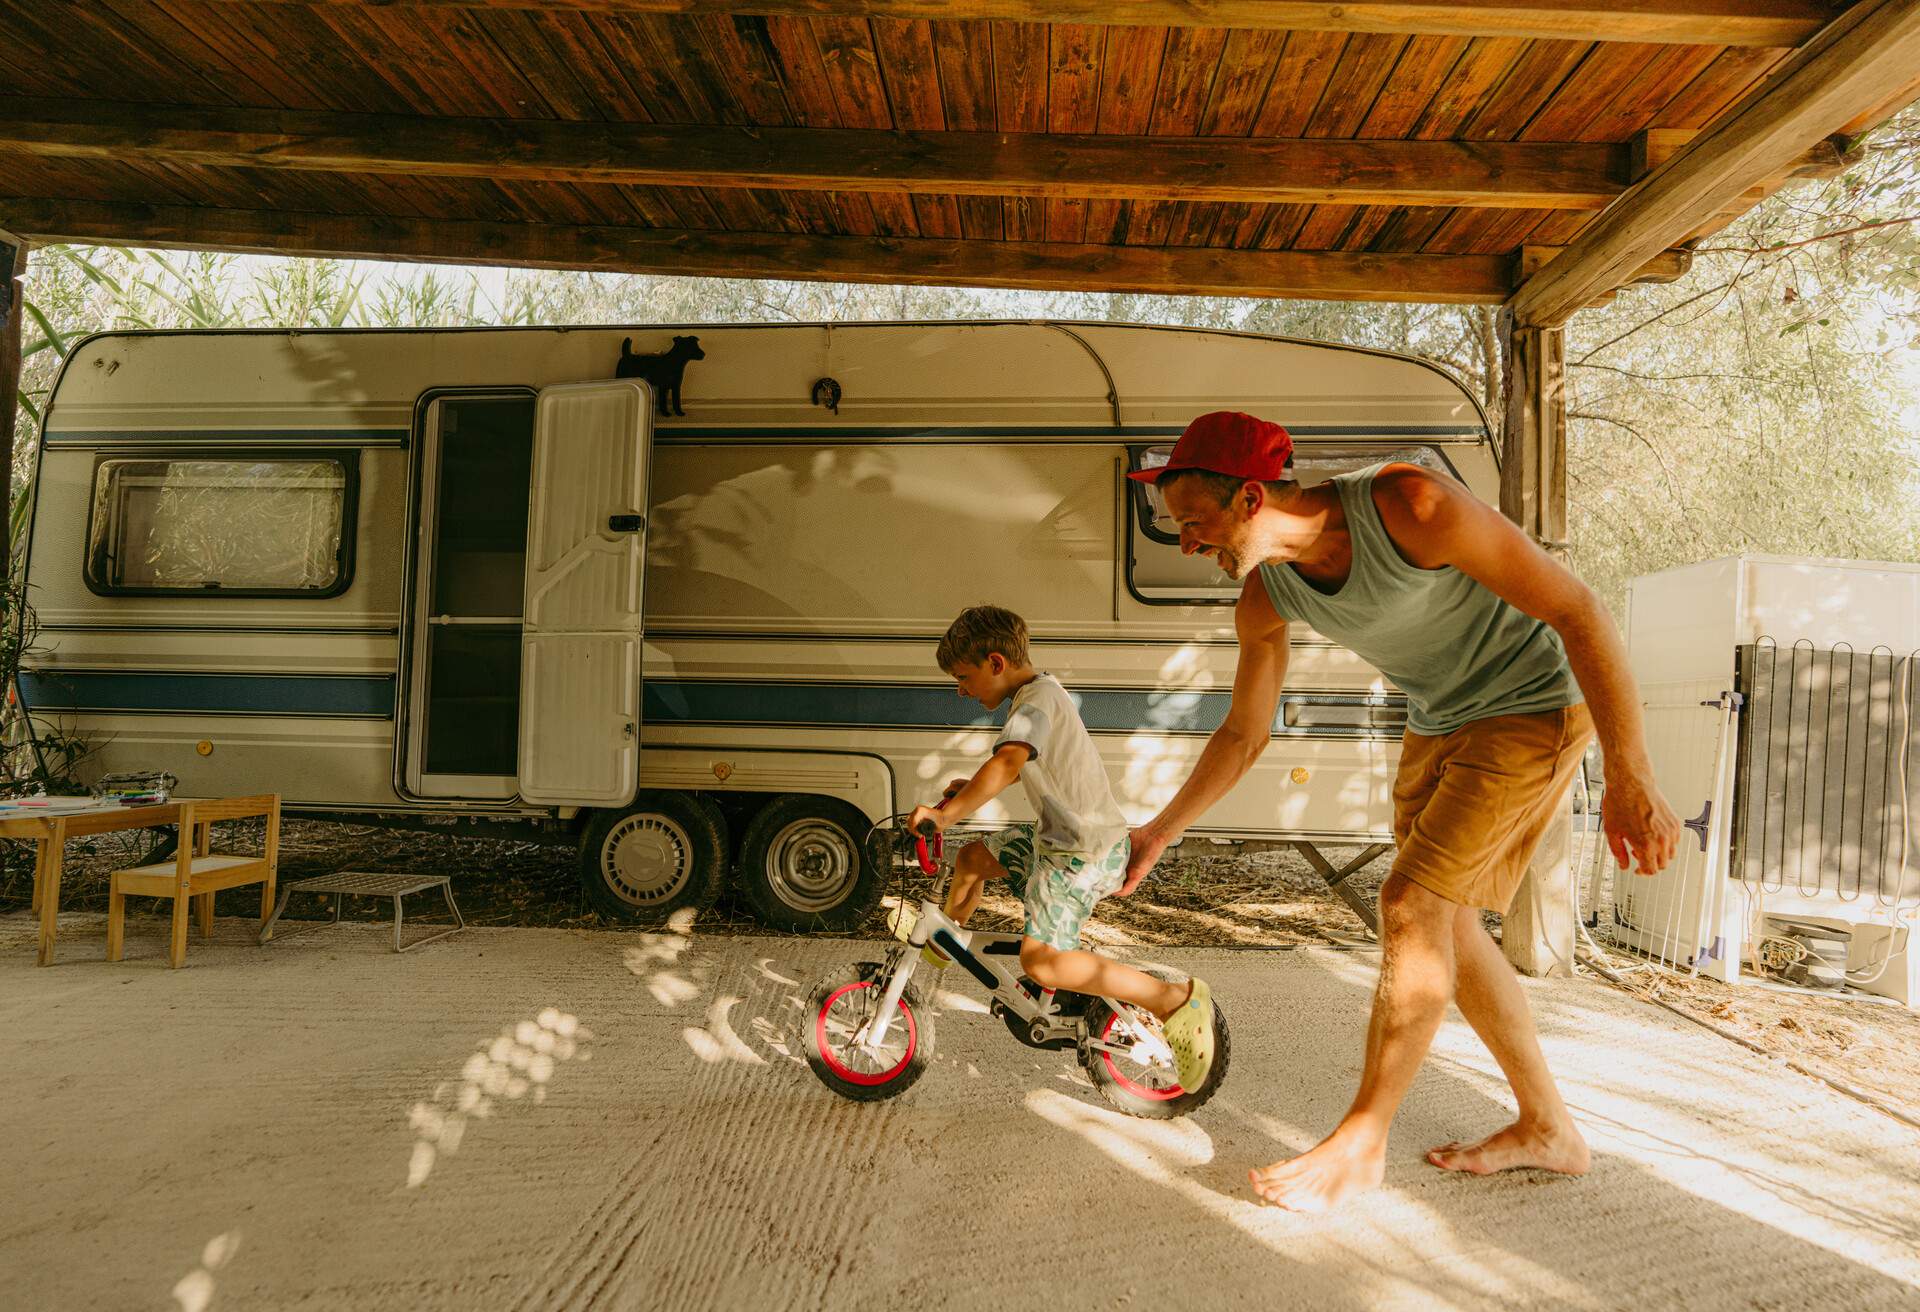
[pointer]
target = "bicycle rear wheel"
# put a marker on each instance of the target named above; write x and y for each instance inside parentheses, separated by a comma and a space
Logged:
(1139, 1079)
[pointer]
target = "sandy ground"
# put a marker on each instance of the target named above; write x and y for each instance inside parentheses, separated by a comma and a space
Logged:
(1201, 895)
(525, 1118)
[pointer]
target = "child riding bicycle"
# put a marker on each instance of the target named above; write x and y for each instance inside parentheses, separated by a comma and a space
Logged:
(1071, 857)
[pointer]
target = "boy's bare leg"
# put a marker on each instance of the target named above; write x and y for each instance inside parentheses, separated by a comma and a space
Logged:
(1417, 930)
(1543, 1135)
(1088, 972)
(971, 871)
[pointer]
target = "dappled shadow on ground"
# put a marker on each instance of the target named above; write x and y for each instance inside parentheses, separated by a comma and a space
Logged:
(1001, 1151)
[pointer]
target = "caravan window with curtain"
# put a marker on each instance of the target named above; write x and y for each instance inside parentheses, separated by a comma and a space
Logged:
(222, 525)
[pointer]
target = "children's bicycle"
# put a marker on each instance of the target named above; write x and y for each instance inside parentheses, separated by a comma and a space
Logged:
(870, 1029)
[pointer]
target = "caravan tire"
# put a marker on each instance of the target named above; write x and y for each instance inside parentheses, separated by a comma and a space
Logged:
(805, 865)
(665, 853)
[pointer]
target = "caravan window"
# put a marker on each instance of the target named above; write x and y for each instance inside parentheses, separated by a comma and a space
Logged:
(229, 526)
(1156, 570)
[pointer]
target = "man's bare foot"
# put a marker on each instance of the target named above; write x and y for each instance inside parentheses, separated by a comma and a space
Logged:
(1321, 1180)
(1559, 1148)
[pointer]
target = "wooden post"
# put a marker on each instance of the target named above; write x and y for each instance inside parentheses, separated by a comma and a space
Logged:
(1539, 930)
(13, 268)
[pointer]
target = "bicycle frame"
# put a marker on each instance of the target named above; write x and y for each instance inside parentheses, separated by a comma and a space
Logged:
(993, 959)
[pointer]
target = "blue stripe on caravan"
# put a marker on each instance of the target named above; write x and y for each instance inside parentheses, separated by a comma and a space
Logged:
(665, 701)
(222, 694)
(340, 436)
(798, 433)
(898, 705)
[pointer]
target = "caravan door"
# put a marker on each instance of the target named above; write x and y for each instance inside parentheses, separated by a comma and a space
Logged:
(581, 622)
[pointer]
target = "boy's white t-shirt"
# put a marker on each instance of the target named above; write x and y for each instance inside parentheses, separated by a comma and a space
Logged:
(1066, 783)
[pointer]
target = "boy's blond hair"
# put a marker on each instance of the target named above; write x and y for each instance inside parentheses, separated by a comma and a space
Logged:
(978, 633)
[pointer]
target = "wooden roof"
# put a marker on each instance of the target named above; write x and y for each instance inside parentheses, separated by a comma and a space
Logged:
(1415, 151)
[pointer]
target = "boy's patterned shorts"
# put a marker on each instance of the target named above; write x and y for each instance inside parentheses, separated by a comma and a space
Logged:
(1059, 888)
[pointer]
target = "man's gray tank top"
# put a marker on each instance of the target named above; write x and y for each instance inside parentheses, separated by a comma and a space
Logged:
(1457, 650)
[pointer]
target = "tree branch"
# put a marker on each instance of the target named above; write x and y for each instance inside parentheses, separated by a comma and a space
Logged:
(1805, 241)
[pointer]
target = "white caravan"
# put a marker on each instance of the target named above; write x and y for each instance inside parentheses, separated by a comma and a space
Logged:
(436, 576)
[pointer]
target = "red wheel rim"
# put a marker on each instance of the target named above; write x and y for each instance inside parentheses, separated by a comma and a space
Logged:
(845, 1072)
(1133, 1086)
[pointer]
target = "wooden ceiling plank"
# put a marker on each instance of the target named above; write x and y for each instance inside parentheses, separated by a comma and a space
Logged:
(1241, 85)
(1731, 75)
(1017, 64)
(740, 46)
(1129, 87)
(1074, 52)
(297, 42)
(1703, 22)
(632, 51)
(1177, 270)
(547, 57)
(966, 57)
(1299, 79)
(1646, 93)
(1424, 68)
(853, 66)
(910, 72)
(1363, 70)
(1188, 66)
(186, 48)
(365, 48)
(1530, 83)
(1408, 228)
(1468, 84)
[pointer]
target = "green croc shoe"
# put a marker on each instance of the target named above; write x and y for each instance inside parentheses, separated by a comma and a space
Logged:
(1189, 1033)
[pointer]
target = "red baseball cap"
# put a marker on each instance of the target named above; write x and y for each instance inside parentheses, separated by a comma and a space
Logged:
(1229, 442)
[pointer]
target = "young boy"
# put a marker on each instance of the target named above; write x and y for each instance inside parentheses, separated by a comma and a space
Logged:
(1074, 855)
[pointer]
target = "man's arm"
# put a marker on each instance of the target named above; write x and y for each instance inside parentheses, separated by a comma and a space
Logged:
(1239, 740)
(988, 782)
(1434, 522)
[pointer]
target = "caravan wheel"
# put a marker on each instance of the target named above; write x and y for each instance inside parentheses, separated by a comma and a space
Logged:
(804, 865)
(664, 853)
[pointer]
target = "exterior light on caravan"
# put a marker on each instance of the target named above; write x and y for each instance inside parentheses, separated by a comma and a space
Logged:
(1300, 774)
(204, 747)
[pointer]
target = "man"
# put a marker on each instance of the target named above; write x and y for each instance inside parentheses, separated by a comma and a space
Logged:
(1509, 664)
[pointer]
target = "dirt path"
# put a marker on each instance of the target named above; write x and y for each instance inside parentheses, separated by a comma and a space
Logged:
(568, 1119)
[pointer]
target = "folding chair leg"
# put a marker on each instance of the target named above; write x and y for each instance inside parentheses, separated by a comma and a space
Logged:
(116, 923)
(177, 933)
(204, 903)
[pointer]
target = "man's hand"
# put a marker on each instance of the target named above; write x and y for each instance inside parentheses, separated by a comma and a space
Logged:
(927, 814)
(1638, 823)
(1147, 847)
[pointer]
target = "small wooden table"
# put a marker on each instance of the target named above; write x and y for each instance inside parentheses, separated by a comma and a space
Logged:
(50, 831)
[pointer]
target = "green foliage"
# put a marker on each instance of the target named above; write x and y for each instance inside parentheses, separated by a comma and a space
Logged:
(36, 754)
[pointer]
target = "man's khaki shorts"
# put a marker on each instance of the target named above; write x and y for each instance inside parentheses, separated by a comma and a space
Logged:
(1469, 807)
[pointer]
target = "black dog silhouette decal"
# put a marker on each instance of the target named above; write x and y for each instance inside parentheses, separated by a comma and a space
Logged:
(663, 371)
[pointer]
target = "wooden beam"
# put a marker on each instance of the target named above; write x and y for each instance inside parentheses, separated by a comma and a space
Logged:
(1537, 933)
(1694, 22)
(1524, 175)
(1866, 55)
(1667, 266)
(1061, 266)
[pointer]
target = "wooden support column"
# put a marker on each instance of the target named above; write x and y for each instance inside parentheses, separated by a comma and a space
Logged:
(13, 269)
(1539, 930)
